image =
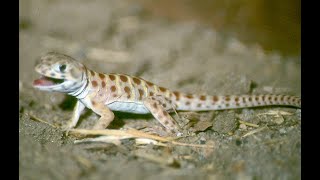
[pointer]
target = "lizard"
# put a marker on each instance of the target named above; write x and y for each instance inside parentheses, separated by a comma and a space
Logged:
(105, 93)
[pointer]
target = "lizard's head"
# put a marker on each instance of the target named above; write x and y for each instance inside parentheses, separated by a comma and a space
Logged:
(58, 73)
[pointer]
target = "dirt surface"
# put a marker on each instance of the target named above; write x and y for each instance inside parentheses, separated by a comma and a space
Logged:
(119, 36)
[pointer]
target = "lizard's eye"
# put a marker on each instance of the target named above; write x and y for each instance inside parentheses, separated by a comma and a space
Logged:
(62, 67)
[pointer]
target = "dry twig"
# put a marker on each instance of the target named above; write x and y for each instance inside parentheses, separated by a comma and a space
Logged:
(248, 124)
(254, 131)
(134, 134)
(40, 120)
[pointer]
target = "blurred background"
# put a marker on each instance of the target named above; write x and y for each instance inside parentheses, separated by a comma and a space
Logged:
(274, 25)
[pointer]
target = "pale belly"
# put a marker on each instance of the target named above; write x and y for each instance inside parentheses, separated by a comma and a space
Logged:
(131, 107)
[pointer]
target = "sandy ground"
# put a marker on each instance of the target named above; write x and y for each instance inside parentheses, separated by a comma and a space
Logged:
(118, 36)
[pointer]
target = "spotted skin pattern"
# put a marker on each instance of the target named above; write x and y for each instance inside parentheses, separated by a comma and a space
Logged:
(104, 93)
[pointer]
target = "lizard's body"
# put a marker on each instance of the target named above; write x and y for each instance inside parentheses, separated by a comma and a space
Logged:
(104, 93)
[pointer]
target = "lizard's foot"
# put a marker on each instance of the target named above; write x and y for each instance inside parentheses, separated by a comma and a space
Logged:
(66, 128)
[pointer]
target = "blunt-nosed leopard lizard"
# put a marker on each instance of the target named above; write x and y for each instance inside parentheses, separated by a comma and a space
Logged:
(104, 93)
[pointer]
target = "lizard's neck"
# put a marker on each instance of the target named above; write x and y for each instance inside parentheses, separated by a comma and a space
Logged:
(80, 89)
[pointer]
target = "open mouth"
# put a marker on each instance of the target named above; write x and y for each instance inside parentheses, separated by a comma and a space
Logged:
(47, 81)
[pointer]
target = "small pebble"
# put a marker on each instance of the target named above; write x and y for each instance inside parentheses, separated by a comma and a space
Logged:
(243, 126)
(203, 140)
(282, 131)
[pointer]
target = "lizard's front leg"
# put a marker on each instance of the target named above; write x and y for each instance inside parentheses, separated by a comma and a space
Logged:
(106, 114)
(75, 116)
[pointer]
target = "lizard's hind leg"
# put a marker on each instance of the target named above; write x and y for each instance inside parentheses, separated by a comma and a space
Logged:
(159, 109)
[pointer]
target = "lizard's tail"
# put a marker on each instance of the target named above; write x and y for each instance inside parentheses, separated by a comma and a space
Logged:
(206, 102)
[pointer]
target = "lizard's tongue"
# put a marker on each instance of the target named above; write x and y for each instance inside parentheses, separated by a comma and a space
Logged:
(43, 81)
